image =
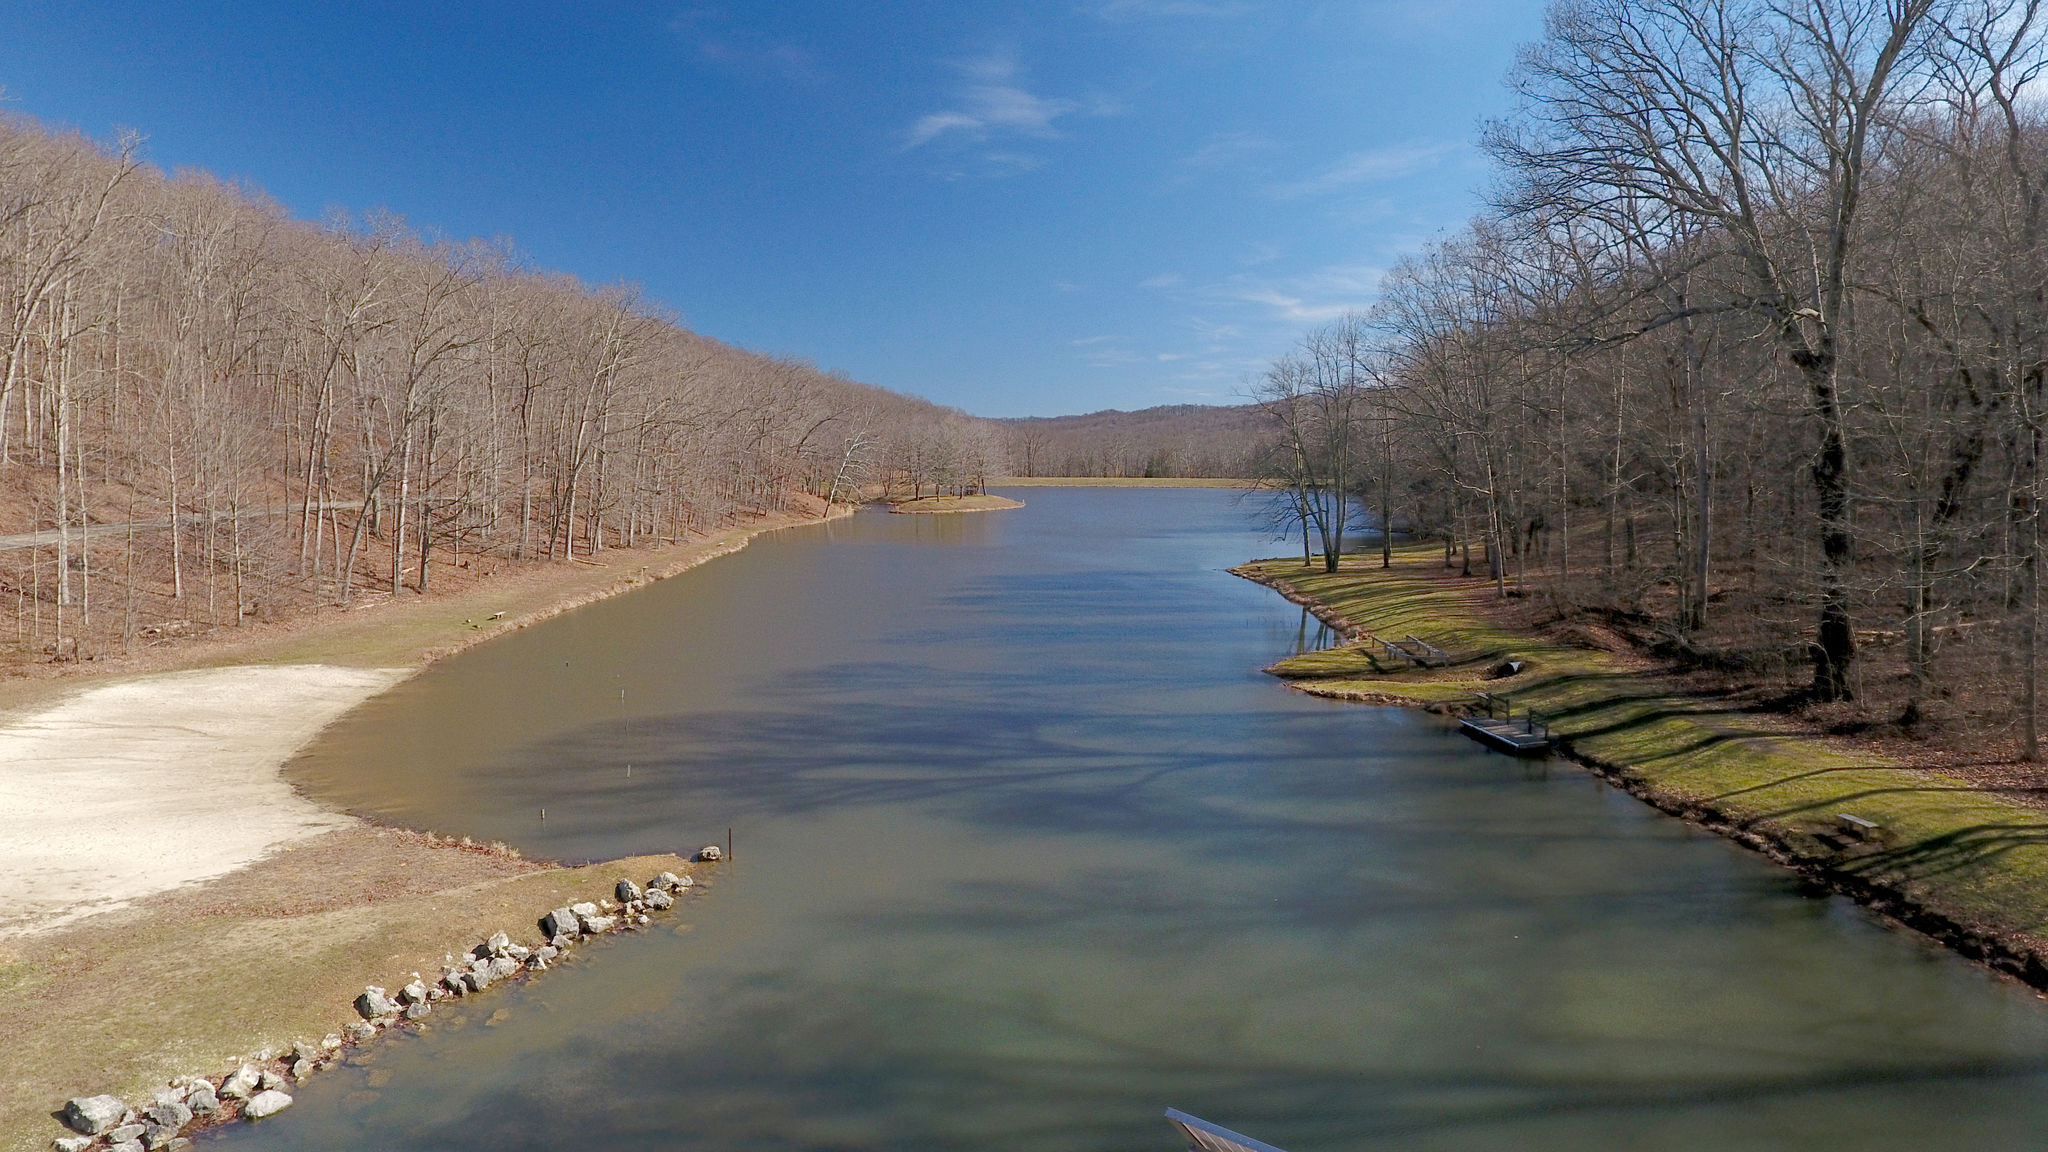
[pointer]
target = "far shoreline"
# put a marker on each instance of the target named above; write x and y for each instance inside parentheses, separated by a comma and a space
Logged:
(1124, 482)
(952, 505)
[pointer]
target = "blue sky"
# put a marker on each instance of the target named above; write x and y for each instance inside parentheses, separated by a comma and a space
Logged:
(1015, 208)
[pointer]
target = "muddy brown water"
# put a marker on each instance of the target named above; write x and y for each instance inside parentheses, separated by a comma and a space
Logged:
(1029, 850)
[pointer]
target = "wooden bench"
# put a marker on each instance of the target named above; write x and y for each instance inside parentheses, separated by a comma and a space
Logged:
(1421, 653)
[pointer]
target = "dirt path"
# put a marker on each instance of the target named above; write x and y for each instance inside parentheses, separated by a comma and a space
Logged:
(45, 537)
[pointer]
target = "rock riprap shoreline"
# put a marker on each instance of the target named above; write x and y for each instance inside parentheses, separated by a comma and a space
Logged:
(260, 1086)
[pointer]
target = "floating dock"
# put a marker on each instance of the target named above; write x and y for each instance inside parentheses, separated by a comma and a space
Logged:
(1497, 726)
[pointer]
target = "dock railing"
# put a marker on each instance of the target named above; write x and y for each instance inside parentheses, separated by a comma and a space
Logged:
(1501, 708)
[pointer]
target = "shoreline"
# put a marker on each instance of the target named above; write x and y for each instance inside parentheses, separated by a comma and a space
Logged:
(1952, 862)
(1123, 482)
(952, 505)
(207, 960)
(409, 631)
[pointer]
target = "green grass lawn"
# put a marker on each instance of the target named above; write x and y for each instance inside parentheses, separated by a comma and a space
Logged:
(1974, 857)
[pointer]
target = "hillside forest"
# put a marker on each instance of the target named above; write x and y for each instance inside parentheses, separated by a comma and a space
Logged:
(1174, 440)
(211, 413)
(1745, 361)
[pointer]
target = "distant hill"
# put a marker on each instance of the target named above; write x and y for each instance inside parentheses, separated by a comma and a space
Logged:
(1171, 440)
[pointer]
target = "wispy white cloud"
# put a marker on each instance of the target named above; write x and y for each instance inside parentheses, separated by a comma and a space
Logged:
(1314, 297)
(1233, 324)
(991, 101)
(1368, 167)
(1236, 324)
(1108, 357)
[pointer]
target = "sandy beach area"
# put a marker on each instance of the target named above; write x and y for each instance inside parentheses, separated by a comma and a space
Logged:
(133, 788)
(155, 866)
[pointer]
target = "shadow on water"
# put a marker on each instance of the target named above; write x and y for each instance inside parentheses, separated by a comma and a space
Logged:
(1029, 850)
(799, 1065)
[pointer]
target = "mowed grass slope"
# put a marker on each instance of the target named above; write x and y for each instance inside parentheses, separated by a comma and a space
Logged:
(1949, 849)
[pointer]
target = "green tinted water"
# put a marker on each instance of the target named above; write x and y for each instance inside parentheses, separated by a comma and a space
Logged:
(1028, 850)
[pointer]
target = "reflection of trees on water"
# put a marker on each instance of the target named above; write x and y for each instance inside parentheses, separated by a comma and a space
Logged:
(1304, 642)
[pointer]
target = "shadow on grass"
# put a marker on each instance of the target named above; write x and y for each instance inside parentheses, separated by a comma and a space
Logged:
(1956, 851)
(1796, 777)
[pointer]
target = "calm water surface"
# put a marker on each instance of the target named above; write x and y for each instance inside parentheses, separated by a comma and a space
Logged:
(1029, 850)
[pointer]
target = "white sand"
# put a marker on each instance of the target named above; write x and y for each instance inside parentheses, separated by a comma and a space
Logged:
(143, 785)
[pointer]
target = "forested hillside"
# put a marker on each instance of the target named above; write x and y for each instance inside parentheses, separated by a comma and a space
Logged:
(211, 412)
(1174, 440)
(1748, 360)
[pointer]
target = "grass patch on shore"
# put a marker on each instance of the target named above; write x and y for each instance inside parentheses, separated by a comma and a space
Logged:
(198, 979)
(1963, 851)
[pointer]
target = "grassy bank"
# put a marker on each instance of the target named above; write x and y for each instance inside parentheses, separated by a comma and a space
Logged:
(200, 979)
(1965, 863)
(929, 505)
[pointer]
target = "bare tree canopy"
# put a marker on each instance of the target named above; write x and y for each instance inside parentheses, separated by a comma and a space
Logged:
(1173, 440)
(210, 412)
(1748, 355)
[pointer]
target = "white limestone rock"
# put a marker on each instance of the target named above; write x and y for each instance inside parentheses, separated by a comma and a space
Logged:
(265, 1104)
(242, 1084)
(559, 922)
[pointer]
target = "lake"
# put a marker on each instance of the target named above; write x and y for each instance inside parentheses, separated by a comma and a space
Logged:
(1028, 850)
